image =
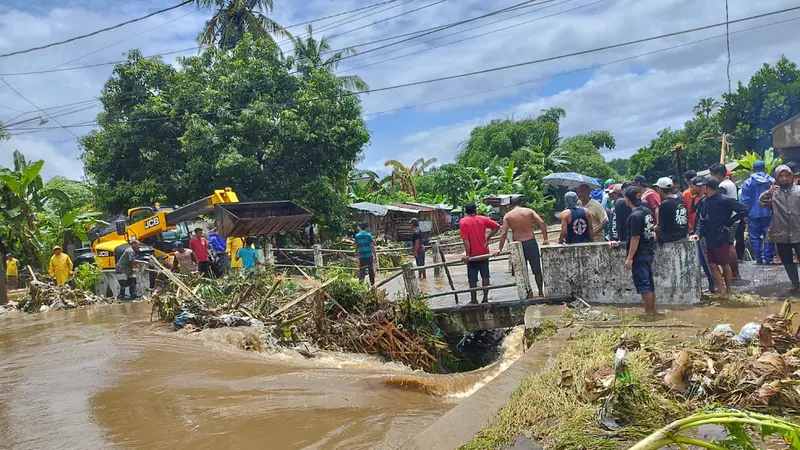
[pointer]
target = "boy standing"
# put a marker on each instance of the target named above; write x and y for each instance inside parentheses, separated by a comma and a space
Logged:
(365, 248)
(641, 234)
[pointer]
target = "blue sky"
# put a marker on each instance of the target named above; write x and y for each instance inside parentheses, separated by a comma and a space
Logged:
(632, 99)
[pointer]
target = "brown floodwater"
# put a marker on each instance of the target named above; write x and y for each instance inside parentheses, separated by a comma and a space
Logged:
(108, 377)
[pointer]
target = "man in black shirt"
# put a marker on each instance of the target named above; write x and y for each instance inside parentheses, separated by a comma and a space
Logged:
(619, 230)
(641, 236)
(418, 247)
(673, 220)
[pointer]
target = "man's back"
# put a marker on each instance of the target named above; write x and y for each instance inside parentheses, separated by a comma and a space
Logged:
(520, 220)
(474, 228)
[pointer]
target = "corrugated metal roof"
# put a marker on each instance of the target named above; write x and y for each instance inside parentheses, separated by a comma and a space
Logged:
(401, 209)
(421, 207)
(379, 210)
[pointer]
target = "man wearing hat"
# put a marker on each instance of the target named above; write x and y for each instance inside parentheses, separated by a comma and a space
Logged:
(60, 266)
(673, 220)
(717, 214)
(783, 199)
(759, 218)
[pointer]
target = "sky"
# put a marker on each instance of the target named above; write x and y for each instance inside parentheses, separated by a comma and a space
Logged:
(632, 91)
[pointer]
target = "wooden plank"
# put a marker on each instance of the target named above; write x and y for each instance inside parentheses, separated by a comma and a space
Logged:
(302, 297)
(476, 289)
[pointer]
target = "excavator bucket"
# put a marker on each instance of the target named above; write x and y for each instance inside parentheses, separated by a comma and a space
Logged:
(258, 218)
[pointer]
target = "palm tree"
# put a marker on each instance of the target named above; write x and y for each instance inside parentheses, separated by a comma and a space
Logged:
(234, 18)
(309, 54)
(406, 176)
(705, 107)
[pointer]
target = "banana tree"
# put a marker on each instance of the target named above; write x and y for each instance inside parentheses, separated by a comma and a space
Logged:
(406, 175)
(771, 162)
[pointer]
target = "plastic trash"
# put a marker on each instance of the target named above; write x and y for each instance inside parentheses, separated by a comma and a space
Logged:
(748, 333)
(723, 330)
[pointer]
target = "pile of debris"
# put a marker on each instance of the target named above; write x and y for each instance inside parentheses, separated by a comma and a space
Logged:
(334, 313)
(42, 297)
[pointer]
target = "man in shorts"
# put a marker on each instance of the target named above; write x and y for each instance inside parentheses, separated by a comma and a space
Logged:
(641, 238)
(520, 220)
(472, 231)
(418, 247)
(717, 214)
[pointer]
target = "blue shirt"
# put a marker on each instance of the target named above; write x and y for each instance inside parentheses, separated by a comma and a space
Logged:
(364, 241)
(249, 256)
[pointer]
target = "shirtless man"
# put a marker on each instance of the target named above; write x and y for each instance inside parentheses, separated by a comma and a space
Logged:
(521, 219)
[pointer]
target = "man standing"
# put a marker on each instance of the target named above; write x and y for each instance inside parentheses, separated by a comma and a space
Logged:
(598, 215)
(520, 220)
(575, 222)
(60, 266)
(365, 249)
(696, 206)
(717, 214)
(641, 234)
(418, 247)
(199, 245)
(783, 199)
(234, 244)
(688, 201)
(608, 204)
(124, 269)
(728, 189)
(622, 211)
(758, 218)
(185, 259)
(12, 272)
(673, 222)
(248, 255)
(476, 251)
(650, 197)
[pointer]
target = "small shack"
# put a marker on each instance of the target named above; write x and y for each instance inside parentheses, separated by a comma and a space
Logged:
(786, 138)
(433, 219)
(500, 204)
(389, 220)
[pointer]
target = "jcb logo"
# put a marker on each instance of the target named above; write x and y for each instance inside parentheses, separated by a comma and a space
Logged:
(103, 254)
(151, 223)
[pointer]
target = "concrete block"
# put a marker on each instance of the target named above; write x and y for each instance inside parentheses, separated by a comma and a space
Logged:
(595, 272)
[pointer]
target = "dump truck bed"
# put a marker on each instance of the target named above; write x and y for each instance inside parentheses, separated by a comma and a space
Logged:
(259, 218)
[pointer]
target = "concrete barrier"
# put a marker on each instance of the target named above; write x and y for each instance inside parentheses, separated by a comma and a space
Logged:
(595, 272)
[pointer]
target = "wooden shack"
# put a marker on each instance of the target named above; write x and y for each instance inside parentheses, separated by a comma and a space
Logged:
(500, 204)
(433, 219)
(786, 138)
(385, 220)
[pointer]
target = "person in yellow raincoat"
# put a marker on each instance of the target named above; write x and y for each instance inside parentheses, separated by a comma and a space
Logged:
(60, 266)
(234, 244)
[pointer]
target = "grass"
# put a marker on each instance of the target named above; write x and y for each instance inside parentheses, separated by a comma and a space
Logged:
(558, 419)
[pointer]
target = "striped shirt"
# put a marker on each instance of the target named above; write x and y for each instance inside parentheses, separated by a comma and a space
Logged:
(364, 241)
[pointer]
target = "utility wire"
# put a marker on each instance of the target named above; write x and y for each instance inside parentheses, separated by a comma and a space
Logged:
(340, 14)
(472, 37)
(728, 43)
(388, 18)
(34, 105)
(494, 69)
(93, 33)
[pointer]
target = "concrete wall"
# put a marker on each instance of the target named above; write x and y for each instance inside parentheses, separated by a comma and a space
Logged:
(595, 273)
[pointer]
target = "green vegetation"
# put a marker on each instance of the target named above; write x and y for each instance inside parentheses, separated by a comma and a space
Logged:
(86, 275)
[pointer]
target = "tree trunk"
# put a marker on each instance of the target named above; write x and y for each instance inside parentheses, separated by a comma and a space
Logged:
(3, 291)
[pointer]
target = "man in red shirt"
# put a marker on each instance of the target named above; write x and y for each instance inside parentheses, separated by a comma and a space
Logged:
(650, 197)
(473, 233)
(199, 246)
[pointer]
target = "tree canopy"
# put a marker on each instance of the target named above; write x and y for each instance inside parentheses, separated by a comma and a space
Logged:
(233, 19)
(238, 119)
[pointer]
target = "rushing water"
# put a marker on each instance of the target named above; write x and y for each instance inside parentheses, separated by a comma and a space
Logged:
(106, 377)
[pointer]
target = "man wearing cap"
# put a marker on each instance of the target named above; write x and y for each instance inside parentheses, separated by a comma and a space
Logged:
(199, 245)
(124, 270)
(12, 272)
(60, 266)
(598, 215)
(697, 200)
(673, 220)
(622, 211)
(640, 243)
(714, 219)
(728, 189)
(783, 199)
(608, 204)
(758, 218)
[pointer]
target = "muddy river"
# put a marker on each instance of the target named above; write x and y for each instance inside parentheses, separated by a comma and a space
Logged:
(107, 377)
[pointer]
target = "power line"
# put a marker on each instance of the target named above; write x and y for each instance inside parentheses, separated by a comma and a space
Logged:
(340, 14)
(34, 105)
(93, 33)
(484, 71)
(728, 43)
(475, 36)
(388, 18)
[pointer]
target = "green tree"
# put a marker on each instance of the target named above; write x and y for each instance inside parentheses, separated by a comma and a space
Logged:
(453, 181)
(583, 152)
(238, 119)
(406, 176)
(310, 54)
(770, 97)
(706, 107)
(233, 19)
(620, 165)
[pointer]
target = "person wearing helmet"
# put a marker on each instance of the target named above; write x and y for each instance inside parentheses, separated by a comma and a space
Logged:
(12, 272)
(60, 266)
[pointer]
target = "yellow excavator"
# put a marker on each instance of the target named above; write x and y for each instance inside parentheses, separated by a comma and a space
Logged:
(160, 228)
